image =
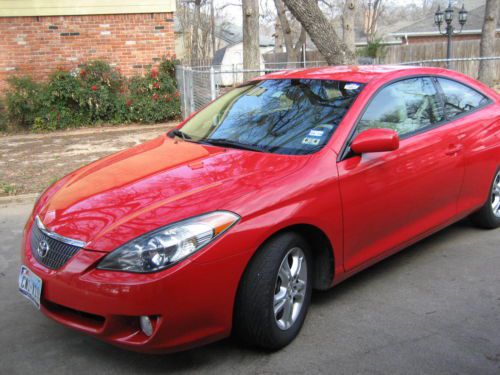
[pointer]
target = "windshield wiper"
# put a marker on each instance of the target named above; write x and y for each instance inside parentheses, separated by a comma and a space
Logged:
(229, 143)
(180, 134)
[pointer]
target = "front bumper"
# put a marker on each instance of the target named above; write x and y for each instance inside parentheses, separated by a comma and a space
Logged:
(190, 304)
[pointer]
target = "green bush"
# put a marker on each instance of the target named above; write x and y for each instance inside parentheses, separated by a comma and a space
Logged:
(96, 93)
(25, 101)
(154, 97)
(3, 116)
(375, 49)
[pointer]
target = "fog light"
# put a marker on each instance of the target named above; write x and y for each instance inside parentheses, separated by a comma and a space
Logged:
(146, 325)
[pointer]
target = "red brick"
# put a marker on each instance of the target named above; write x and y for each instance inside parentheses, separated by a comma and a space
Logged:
(46, 50)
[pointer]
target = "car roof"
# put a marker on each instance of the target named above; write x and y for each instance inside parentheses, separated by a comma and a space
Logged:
(352, 73)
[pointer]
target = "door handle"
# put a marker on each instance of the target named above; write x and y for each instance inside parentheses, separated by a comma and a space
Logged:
(453, 149)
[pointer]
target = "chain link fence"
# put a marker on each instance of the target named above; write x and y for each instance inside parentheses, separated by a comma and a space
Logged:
(200, 85)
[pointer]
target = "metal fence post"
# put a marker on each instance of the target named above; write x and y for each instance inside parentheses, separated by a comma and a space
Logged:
(234, 74)
(191, 96)
(213, 92)
(184, 93)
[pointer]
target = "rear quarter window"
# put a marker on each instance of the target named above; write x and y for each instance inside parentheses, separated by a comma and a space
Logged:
(460, 99)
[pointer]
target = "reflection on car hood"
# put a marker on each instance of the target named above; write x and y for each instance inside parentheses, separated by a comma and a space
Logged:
(115, 199)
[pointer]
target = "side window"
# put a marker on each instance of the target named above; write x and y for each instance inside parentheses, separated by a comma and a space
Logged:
(460, 99)
(405, 106)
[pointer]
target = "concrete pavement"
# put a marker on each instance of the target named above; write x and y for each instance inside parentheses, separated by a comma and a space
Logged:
(434, 308)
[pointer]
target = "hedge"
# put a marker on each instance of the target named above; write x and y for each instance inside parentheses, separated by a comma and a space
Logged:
(93, 94)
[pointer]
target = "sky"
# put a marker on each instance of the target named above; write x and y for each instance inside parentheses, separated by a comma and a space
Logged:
(233, 12)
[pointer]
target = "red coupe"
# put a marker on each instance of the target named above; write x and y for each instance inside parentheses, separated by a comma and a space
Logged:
(291, 182)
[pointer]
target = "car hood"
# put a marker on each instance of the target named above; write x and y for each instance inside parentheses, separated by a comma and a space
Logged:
(120, 197)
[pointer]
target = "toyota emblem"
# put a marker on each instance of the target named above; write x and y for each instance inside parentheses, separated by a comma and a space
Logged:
(43, 248)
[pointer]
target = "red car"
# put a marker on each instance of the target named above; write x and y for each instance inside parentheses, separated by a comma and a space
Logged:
(291, 182)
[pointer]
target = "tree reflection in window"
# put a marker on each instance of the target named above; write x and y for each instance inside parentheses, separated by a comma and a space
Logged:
(460, 99)
(407, 106)
(279, 116)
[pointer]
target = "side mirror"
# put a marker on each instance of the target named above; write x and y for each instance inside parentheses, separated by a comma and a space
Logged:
(375, 140)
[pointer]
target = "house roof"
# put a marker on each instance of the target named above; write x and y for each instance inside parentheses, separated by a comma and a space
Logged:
(425, 26)
(219, 56)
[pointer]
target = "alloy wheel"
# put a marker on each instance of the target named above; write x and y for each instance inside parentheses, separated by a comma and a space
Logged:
(495, 196)
(290, 288)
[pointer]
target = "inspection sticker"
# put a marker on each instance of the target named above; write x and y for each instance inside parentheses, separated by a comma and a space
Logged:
(316, 133)
(351, 86)
(311, 141)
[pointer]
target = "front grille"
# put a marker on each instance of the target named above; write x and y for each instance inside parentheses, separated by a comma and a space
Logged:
(58, 252)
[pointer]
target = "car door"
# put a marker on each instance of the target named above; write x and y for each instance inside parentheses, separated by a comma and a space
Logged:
(391, 198)
(478, 120)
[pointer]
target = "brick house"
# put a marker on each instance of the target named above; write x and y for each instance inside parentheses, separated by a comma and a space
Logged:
(38, 36)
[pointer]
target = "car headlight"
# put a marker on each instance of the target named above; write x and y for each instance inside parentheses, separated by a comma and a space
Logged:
(161, 248)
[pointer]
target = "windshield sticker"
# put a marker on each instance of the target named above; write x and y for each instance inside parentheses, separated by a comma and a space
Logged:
(311, 141)
(351, 86)
(316, 133)
(257, 91)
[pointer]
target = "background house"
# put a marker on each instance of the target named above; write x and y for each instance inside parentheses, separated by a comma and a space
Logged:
(425, 31)
(231, 57)
(38, 36)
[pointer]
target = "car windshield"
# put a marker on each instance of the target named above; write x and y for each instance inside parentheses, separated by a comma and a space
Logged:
(283, 116)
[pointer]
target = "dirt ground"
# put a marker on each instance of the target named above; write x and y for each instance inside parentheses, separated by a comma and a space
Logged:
(31, 162)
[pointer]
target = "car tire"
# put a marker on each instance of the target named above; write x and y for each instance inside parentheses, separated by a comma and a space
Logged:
(488, 217)
(262, 288)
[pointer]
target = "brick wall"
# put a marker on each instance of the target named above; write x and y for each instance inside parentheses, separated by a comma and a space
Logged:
(39, 45)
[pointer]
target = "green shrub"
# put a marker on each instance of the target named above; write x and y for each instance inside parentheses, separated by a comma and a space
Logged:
(102, 88)
(63, 106)
(375, 49)
(25, 100)
(168, 67)
(3, 116)
(96, 93)
(154, 97)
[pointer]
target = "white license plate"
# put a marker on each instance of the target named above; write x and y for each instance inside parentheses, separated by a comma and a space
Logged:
(30, 285)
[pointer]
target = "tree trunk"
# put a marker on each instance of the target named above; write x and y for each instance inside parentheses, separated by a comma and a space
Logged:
(251, 45)
(348, 18)
(212, 26)
(292, 50)
(196, 24)
(278, 36)
(488, 41)
(321, 31)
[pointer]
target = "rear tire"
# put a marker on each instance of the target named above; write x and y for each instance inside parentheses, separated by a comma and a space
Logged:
(274, 293)
(488, 216)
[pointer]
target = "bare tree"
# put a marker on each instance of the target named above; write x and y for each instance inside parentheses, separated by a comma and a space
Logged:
(372, 12)
(278, 36)
(199, 29)
(321, 31)
(348, 19)
(251, 45)
(332, 8)
(488, 41)
(292, 49)
(195, 45)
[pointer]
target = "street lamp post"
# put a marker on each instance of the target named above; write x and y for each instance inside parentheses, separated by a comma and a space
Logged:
(447, 16)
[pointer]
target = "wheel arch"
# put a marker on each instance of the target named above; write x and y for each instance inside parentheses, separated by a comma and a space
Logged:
(322, 252)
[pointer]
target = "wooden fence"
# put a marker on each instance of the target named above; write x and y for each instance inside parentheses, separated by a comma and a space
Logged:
(437, 50)
(402, 53)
